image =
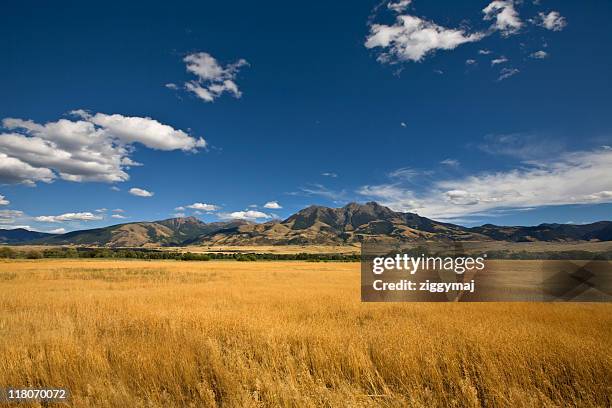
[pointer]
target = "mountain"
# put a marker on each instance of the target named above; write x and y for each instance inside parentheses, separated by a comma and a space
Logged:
(18, 235)
(599, 231)
(173, 231)
(314, 225)
(332, 226)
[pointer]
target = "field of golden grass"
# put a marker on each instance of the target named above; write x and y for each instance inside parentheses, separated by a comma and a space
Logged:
(259, 334)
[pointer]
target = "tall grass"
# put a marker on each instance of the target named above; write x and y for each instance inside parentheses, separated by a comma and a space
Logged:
(166, 334)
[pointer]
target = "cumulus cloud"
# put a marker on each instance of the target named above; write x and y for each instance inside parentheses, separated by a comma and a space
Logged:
(212, 78)
(412, 39)
(202, 207)
(572, 178)
(250, 215)
(505, 16)
(539, 54)
(3, 200)
(272, 205)
(58, 231)
(399, 6)
(81, 216)
(139, 192)
(91, 148)
(500, 60)
(551, 21)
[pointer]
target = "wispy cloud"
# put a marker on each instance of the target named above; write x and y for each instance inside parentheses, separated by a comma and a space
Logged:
(506, 73)
(322, 191)
(580, 177)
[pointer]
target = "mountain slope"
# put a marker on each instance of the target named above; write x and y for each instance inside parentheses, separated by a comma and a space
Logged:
(599, 231)
(351, 223)
(18, 235)
(314, 225)
(173, 231)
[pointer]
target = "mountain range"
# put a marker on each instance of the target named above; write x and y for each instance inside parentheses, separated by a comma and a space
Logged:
(314, 225)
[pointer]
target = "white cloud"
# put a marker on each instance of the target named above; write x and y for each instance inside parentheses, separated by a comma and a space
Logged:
(115, 188)
(404, 173)
(399, 6)
(9, 216)
(11, 227)
(13, 170)
(212, 78)
(82, 216)
(412, 38)
(499, 60)
(92, 148)
(147, 131)
(179, 215)
(507, 20)
(118, 210)
(3, 200)
(58, 231)
(552, 21)
(484, 52)
(450, 162)
(539, 54)
(330, 174)
(470, 62)
(321, 190)
(507, 73)
(139, 192)
(272, 205)
(101, 210)
(170, 85)
(202, 207)
(250, 215)
(403, 124)
(571, 178)
(118, 216)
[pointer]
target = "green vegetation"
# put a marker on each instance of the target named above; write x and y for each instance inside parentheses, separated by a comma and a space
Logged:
(151, 254)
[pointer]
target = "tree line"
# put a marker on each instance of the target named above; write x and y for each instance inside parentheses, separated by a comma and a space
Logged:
(149, 254)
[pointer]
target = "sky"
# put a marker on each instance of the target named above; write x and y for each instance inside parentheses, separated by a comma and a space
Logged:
(466, 112)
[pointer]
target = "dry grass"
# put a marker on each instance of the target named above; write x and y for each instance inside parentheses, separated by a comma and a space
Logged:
(149, 334)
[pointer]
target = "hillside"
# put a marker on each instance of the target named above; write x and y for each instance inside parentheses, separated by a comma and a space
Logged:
(173, 231)
(314, 225)
(19, 235)
(349, 224)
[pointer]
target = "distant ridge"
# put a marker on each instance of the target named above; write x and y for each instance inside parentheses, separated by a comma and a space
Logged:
(314, 225)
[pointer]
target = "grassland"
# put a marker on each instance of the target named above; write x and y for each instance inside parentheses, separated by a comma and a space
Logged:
(167, 333)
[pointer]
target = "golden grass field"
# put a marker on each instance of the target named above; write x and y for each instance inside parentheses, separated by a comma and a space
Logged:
(259, 334)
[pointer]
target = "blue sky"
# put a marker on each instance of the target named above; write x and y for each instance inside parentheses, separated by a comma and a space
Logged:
(483, 111)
